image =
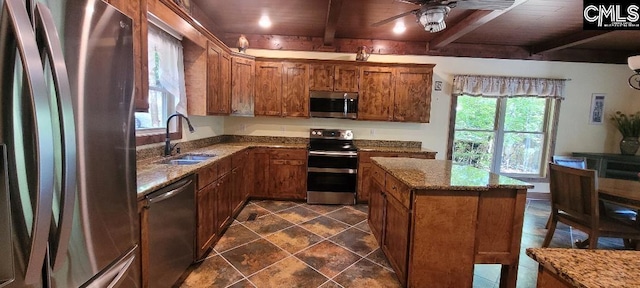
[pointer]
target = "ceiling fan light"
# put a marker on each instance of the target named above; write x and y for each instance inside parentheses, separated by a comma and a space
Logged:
(432, 18)
(634, 63)
(399, 28)
(264, 22)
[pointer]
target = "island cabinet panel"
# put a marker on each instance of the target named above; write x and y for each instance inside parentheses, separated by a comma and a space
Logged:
(268, 89)
(412, 95)
(321, 77)
(548, 279)
(395, 242)
(376, 97)
(365, 171)
(376, 210)
(436, 235)
(295, 90)
(218, 98)
(242, 81)
(346, 78)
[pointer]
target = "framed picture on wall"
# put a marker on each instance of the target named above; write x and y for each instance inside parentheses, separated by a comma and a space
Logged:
(596, 115)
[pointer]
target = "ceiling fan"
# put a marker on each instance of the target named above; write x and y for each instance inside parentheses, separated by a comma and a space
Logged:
(432, 13)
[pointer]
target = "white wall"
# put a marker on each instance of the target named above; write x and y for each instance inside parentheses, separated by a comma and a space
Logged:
(574, 132)
(205, 126)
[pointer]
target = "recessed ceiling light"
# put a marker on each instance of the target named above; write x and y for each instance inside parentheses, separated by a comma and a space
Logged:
(399, 28)
(264, 22)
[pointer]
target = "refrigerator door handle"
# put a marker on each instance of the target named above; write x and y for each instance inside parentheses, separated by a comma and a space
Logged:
(15, 22)
(113, 276)
(49, 43)
(6, 245)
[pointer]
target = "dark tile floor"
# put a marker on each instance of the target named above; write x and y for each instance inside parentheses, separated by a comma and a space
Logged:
(294, 244)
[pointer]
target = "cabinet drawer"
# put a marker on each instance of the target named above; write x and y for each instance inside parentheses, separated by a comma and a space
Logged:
(239, 158)
(207, 175)
(224, 166)
(398, 190)
(377, 174)
(288, 154)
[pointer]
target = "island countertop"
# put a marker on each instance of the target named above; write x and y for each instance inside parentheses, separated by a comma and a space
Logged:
(428, 174)
(590, 268)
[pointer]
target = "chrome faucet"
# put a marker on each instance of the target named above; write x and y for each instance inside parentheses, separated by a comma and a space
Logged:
(167, 141)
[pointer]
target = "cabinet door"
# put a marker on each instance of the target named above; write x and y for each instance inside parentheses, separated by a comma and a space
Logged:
(346, 78)
(206, 222)
(242, 80)
(260, 172)
(375, 101)
(395, 242)
(288, 179)
(237, 189)
(321, 77)
(413, 95)
(225, 83)
(268, 89)
(215, 101)
(223, 201)
(295, 90)
(376, 210)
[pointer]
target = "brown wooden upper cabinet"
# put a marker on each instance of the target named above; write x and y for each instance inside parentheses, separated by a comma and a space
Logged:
(295, 90)
(282, 89)
(268, 89)
(395, 94)
(242, 80)
(376, 97)
(413, 94)
(333, 77)
(218, 95)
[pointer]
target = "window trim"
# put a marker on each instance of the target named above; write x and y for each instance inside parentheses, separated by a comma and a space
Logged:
(550, 130)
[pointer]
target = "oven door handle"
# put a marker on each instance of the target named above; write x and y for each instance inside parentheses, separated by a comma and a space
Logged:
(334, 154)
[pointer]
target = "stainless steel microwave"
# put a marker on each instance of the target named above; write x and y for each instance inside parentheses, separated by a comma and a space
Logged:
(333, 105)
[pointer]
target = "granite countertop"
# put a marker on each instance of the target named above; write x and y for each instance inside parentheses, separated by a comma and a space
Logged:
(152, 175)
(591, 268)
(428, 174)
(394, 149)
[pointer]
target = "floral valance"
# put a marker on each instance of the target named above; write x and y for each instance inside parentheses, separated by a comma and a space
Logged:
(500, 86)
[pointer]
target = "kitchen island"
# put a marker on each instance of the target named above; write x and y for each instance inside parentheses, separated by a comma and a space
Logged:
(434, 220)
(586, 268)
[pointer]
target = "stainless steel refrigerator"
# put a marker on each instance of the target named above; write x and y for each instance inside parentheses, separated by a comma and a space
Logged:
(68, 214)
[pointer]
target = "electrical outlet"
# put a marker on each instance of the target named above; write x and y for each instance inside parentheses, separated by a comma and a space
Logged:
(243, 127)
(372, 132)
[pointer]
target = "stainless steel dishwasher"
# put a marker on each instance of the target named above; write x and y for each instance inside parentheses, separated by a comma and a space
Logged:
(171, 230)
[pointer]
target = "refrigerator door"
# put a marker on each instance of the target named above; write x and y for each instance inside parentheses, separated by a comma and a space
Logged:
(98, 50)
(26, 130)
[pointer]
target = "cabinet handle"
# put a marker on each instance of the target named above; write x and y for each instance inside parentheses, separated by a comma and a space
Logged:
(394, 187)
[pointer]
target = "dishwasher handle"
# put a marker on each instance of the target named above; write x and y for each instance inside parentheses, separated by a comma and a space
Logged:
(182, 186)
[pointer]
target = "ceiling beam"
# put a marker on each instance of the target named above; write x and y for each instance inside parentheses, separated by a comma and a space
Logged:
(573, 39)
(472, 22)
(333, 13)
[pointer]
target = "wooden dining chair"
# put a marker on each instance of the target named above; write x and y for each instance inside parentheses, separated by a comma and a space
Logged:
(574, 201)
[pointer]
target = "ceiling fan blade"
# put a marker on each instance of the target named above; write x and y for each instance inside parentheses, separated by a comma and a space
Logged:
(416, 2)
(385, 21)
(485, 4)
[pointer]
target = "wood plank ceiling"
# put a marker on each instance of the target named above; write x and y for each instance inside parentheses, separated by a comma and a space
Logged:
(531, 29)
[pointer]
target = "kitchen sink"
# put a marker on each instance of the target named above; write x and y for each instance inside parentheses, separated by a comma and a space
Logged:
(188, 159)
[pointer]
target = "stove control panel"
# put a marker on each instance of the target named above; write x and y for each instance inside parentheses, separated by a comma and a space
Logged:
(331, 134)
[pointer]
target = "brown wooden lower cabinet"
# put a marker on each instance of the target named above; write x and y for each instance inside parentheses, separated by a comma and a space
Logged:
(548, 279)
(434, 237)
(206, 222)
(280, 173)
(364, 168)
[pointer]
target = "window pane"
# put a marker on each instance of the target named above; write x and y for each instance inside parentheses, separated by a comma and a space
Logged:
(522, 153)
(525, 114)
(476, 113)
(473, 148)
